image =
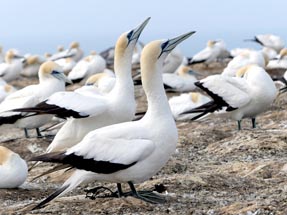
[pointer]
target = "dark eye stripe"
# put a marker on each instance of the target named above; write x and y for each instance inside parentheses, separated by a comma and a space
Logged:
(164, 45)
(130, 35)
(55, 72)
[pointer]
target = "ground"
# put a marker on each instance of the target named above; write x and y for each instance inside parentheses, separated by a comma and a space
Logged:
(215, 170)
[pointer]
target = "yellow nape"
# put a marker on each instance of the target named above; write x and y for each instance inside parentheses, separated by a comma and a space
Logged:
(48, 67)
(211, 43)
(194, 97)
(95, 78)
(32, 60)
(4, 154)
(240, 72)
(121, 45)
(9, 56)
(74, 45)
(60, 48)
(184, 70)
(283, 53)
(7, 88)
(93, 52)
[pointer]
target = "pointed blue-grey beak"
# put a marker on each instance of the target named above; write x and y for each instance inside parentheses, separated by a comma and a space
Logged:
(170, 44)
(135, 33)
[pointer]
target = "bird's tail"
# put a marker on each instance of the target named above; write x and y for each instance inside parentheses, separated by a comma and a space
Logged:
(204, 109)
(72, 182)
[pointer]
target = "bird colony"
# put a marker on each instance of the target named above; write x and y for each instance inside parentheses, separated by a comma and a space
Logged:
(123, 120)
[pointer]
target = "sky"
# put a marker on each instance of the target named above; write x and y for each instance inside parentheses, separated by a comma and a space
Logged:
(36, 27)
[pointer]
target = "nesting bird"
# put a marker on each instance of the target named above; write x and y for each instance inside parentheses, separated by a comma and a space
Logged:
(103, 81)
(88, 66)
(270, 41)
(5, 90)
(51, 80)
(213, 51)
(246, 57)
(13, 169)
(280, 62)
(11, 68)
(128, 152)
(184, 102)
(31, 66)
(247, 95)
(181, 81)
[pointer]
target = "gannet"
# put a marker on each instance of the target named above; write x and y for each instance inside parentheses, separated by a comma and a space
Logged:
(67, 63)
(11, 68)
(181, 81)
(280, 62)
(103, 81)
(247, 95)
(245, 58)
(88, 66)
(184, 102)
(13, 169)
(6, 90)
(31, 66)
(269, 40)
(129, 152)
(51, 80)
(214, 49)
(85, 112)
(76, 51)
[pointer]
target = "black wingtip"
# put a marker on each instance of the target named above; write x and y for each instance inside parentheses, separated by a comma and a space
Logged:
(10, 119)
(50, 198)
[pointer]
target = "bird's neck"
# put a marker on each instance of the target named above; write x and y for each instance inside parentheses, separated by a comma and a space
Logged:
(158, 106)
(124, 82)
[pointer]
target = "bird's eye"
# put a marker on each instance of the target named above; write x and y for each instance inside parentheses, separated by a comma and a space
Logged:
(129, 36)
(55, 72)
(164, 45)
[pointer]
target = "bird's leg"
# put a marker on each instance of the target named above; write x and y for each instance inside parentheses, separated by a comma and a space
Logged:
(97, 190)
(39, 135)
(147, 196)
(253, 123)
(239, 124)
(26, 133)
(120, 190)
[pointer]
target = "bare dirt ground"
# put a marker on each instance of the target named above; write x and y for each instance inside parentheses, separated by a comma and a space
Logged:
(215, 170)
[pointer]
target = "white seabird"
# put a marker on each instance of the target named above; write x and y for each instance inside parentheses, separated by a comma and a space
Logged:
(13, 169)
(31, 66)
(247, 95)
(11, 68)
(129, 152)
(6, 90)
(280, 62)
(246, 57)
(85, 112)
(103, 81)
(184, 102)
(181, 81)
(51, 80)
(270, 41)
(88, 66)
(214, 50)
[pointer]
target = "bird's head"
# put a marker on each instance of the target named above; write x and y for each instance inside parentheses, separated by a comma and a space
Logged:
(50, 70)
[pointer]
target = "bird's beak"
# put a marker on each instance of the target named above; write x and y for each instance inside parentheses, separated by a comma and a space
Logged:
(61, 76)
(138, 30)
(172, 43)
